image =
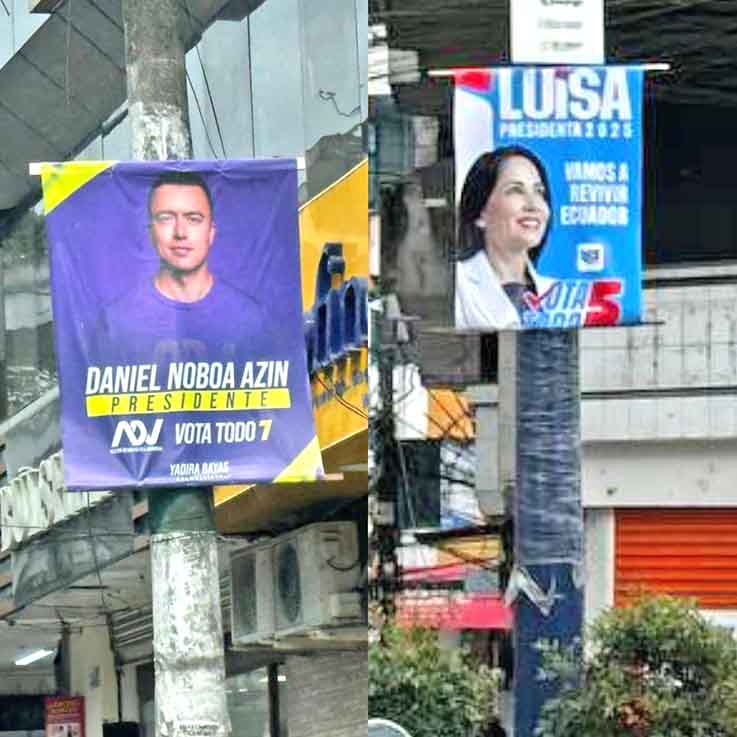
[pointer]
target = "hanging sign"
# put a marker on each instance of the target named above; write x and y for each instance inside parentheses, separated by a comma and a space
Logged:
(178, 323)
(549, 197)
(64, 716)
(557, 31)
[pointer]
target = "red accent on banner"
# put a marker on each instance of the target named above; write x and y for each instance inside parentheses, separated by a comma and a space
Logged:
(604, 307)
(563, 72)
(476, 79)
(64, 716)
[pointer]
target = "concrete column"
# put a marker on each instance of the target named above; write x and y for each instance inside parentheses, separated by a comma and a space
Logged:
(92, 675)
(599, 528)
(157, 82)
(188, 636)
(131, 710)
(188, 629)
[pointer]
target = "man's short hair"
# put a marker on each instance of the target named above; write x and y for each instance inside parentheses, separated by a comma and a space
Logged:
(182, 178)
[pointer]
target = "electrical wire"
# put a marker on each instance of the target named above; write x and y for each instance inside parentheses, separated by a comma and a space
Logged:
(455, 463)
(408, 498)
(333, 390)
(202, 117)
(212, 102)
(454, 420)
(195, 23)
(106, 15)
(12, 526)
(93, 547)
(327, 95)
(68, 53)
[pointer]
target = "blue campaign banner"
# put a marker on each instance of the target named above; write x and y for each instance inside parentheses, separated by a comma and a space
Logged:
(563, 249)
(177, 304)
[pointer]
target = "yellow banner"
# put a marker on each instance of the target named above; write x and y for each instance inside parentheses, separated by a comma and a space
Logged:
(338, 214)
(100, 405)
(63, 180)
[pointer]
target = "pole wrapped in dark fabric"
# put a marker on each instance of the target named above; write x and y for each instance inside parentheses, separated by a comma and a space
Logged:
(547, 579)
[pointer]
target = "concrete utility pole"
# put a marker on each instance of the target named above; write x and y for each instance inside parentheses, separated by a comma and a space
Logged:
(188, 628)
(540, 469)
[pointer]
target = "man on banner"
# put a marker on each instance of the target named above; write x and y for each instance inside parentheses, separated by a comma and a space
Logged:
(182, 231)
(178, 316)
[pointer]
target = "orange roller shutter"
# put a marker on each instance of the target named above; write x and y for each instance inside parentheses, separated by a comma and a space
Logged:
(682, 552)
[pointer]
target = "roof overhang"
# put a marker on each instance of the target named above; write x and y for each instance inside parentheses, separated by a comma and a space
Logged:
(62, 85)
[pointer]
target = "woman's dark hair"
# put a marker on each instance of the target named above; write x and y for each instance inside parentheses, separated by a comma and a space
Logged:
(480, 182)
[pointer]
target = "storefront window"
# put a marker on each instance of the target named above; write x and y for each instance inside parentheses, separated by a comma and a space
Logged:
(28, 368)
(362, 38)
(115, 145)
(219, 93)
(17, 25)
(332, 91)
(250, 703)
(276, 78)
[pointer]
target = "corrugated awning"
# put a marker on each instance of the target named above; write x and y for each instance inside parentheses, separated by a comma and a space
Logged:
(455, 612)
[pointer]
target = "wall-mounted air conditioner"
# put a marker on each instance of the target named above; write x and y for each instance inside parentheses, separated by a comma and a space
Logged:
(317, 574)
(251, 595)
(299, 590)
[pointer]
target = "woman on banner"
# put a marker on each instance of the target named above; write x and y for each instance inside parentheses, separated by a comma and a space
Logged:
(504, 219)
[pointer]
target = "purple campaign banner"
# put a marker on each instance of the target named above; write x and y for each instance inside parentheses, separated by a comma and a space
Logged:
(178, 323)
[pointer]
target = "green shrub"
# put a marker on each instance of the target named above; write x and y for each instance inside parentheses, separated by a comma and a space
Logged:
(655, 669)
(429, 691)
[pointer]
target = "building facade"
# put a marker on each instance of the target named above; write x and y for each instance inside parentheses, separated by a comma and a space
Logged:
(658, 401)
(266, 78)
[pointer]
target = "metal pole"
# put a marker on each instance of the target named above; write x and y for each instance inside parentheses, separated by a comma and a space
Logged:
(188, 631)
(545, 501)
(386, 522)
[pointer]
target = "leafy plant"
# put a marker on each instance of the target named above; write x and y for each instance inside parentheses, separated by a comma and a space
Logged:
(655, 669)
(428, 690)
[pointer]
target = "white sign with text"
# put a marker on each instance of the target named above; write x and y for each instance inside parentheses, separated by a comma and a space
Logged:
(557, 31)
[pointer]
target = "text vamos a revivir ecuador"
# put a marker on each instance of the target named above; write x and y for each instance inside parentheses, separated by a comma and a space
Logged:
(147, 377)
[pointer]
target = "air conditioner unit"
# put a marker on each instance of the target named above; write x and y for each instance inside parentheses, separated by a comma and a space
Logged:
(317, 575)
(251, 595)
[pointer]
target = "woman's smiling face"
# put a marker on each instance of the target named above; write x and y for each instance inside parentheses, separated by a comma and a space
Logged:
(516, 213)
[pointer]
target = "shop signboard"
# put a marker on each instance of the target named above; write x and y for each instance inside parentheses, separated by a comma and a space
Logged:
(549, 197)
(64, 716)
(178, 323)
